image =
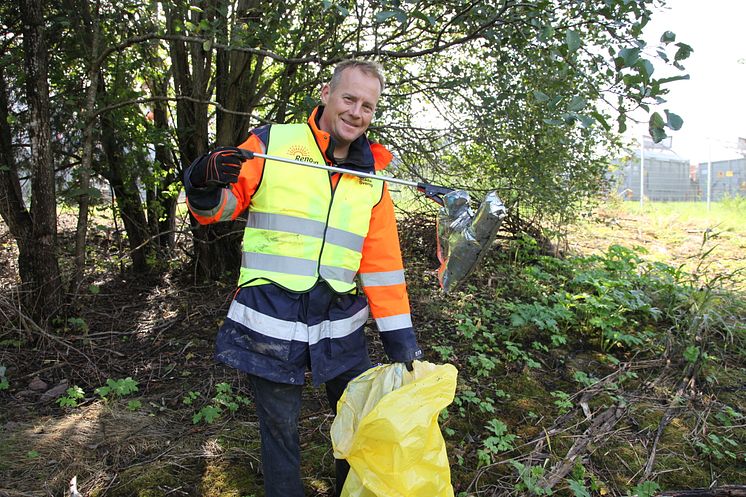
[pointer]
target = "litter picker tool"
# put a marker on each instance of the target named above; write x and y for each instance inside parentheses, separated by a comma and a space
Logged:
(463, 236)
(433, 192)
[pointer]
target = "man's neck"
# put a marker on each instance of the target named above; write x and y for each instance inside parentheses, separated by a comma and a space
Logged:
(341, 153)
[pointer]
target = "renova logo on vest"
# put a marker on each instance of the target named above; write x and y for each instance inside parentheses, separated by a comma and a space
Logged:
(365, 181)
(300, 153)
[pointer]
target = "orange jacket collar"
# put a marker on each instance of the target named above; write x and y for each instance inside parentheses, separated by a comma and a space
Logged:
(381, 156)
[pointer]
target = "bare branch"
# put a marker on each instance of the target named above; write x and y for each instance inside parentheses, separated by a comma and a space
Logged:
(136, 101)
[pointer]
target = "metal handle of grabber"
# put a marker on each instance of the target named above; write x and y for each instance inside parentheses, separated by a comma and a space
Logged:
(432, 192)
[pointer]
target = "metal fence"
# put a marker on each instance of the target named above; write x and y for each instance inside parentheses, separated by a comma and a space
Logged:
(666, 177)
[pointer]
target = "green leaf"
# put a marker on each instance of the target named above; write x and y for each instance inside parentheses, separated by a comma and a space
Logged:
(67, 402)
(601, 120)
(656, 120)
(646, 67)
(691, 354)
(540, 96)
(572, 40)
(671, 79)
(552, 105)
(497, 427)
(668, 37)
(576, 103)
(75, 392)
(208, 414)
(673, 121)
(554, 122)
(102, 391)
(587, 121)
(655, 127)
(629, 56)
(683, 52)
(646, 489)
(388, 14)
(421, 16)
(578, 489)
(207, 45)
(569, 117)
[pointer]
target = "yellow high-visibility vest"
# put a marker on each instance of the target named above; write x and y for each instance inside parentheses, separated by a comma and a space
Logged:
(299, 229)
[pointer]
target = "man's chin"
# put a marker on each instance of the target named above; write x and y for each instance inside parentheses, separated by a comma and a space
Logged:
(347, 138)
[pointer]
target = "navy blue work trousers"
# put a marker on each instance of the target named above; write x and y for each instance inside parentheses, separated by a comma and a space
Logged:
(278, 408)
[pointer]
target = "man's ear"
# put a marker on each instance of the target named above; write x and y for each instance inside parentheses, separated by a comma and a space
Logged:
(325, 90)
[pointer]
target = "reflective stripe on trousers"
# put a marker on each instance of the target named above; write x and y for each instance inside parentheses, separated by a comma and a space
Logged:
(293, 330)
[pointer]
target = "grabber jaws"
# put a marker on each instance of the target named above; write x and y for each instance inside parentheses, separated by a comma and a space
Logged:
(463, 236)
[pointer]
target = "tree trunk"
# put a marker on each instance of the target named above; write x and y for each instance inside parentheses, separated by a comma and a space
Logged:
(45, 272)
(85, 168)
(124, 185)
(127, 196)
(12, 207)
(236, 81)
(216, 247)
(162, 206)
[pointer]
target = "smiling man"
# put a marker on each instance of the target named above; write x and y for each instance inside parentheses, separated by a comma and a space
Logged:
(349, 105)
(312, 240)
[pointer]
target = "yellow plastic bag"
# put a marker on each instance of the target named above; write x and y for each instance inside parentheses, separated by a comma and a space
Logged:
(387, 429)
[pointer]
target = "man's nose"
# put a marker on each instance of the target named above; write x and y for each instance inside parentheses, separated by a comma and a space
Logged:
(356, 109)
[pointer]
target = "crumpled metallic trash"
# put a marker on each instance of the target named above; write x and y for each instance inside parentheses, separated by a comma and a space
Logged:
(463, 236)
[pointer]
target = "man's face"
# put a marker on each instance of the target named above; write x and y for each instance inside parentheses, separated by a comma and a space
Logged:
(350, 106)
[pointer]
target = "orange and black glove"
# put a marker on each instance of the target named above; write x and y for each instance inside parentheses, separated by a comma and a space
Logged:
(217, 168)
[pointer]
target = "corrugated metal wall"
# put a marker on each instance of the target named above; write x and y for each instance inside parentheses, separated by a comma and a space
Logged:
(728, 179)
(665, 179)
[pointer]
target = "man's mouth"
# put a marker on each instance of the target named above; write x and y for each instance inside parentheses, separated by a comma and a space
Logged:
(349, 124)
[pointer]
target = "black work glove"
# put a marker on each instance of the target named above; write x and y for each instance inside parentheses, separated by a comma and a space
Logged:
(217, 168)
(409, 366)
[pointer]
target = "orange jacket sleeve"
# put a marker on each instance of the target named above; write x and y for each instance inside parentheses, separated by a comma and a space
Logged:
(210, 206)
(382, 278)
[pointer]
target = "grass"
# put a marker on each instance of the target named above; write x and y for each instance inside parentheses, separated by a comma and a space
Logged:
(675, 233)
(728, 215)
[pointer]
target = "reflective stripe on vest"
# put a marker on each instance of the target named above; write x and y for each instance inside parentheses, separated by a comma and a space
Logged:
(298, 229)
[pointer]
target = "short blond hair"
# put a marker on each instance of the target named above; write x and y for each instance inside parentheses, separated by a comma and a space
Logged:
(369, 67)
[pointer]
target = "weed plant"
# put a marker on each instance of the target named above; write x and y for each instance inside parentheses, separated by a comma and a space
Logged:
(530, 346)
